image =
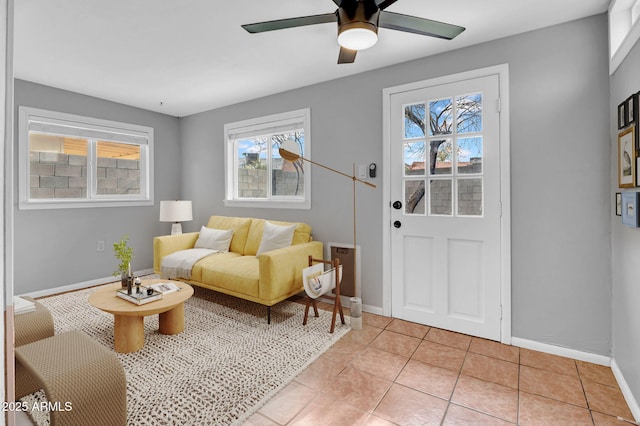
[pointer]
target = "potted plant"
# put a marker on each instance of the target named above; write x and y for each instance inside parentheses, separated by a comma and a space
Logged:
(124, 254)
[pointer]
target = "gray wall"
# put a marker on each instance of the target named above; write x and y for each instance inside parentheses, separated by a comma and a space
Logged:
(561, 253)
(57, 247)
(561, 209)
(625, 244)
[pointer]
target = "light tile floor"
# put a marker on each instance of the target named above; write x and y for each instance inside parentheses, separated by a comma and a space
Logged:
(397, 372)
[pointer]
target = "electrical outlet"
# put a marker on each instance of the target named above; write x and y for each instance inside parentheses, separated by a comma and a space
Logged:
(100, 246)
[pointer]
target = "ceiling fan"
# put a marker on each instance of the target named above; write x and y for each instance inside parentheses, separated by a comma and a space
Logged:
(358, 23)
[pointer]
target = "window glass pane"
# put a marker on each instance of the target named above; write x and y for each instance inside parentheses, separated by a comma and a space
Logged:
(57, 167)
(414, 199)
(469, 154)
(440, 199)
(118, 168)
(441, 157)
(414, 121)
(470, 197)
(414, 163)
(469, 109)
(287, 178)
(252, 167)
(440, 117)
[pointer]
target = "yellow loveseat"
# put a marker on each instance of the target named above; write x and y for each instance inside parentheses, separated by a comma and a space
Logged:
(267, 279)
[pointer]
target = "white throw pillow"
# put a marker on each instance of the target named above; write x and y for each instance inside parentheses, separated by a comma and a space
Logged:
(214, 239)
(275, 237)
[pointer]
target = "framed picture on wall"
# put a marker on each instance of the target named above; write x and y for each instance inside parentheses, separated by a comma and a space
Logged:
(621, 116)
(630, 209)
(618, 204)
(631, 109)
(627, 158)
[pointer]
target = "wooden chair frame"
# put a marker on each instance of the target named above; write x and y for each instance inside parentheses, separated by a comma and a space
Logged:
(337, 302)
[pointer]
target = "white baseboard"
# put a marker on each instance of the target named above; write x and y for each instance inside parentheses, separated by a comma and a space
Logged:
(626, 391)
(565, 352)
(372, 309)
(346, 303)
(78, 286)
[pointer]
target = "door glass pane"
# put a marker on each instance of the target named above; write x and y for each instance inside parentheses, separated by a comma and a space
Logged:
(440, 199)
(287, 178)
(469, 154)
(469, 110)
(440, 117)
(252, 165)
(414, 121)
(118, 168)
(470, 197)
(414, 163)
(57, 167)
(414, 199)
(441, 158)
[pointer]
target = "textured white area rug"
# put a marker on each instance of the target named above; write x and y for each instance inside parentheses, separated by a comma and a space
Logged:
(225, 365)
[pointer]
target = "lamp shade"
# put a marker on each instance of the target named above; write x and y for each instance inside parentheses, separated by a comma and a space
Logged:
(175, 211)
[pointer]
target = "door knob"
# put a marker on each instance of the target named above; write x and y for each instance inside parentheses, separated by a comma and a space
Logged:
(397, 224)
(397, 205)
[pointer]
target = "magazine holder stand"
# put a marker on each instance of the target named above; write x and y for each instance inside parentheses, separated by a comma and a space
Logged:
(337, 303)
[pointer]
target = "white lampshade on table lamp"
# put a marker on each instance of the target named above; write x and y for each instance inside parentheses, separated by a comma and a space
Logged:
(176, 211)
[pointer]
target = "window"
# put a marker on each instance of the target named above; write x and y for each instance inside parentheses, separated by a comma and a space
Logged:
(624, 30)
(443, 152)
(69, 161)
(256, 174)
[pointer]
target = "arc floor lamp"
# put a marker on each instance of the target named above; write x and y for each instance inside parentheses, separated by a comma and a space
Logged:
(290, 151)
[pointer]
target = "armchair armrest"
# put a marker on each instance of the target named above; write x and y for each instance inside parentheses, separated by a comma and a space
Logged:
(281, 269)
(167, 244)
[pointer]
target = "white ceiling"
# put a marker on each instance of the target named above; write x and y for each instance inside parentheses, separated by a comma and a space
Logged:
(188, 56)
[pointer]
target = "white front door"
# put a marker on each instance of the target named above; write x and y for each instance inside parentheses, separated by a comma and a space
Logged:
(445, 213)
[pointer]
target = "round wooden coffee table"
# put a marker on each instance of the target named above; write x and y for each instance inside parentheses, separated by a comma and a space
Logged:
(128, 318)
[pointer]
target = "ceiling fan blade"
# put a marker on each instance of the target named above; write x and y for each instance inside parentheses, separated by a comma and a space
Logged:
(413, 24)
(280, 24)
(346, 56)
(383, 4)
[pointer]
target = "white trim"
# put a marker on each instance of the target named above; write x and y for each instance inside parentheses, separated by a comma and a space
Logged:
(268, 123)
(94, 129)
(80, 286)
(623, 35)
(7, 364)
(502, 71)
(626, 390)
(560, 351)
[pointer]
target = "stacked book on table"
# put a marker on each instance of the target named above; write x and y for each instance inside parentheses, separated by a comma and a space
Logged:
(139, 298)
(147, 294)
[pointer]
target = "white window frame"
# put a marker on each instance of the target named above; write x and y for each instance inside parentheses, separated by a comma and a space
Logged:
(624, 30)
(256, 126)
(94, 130)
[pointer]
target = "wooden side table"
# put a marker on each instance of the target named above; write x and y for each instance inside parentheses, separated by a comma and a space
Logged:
(128, 318)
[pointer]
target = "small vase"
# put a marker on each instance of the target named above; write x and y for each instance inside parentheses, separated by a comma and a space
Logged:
(124, 278)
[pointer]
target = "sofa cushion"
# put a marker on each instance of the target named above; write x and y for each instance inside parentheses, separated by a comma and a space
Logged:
(210, 262)
(240, 226)
(301, 235)
(214, 239)
(240, 275)
(275, 237)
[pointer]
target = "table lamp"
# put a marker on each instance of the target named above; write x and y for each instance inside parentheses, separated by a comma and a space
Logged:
(176, 211)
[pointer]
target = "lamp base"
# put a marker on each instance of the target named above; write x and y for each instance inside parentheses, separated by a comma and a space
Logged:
(176, 229)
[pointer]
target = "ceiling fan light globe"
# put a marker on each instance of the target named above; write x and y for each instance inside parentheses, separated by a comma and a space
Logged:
(357, 38)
